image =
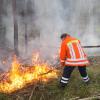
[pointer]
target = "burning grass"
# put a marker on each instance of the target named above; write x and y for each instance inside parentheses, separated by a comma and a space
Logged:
(49, 90)
(19, 76)
(74, 91)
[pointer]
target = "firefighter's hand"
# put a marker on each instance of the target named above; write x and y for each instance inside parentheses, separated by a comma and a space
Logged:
(62, 64)
(59, 67)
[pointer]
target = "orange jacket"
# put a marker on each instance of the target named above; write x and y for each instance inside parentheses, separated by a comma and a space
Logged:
(71, 52)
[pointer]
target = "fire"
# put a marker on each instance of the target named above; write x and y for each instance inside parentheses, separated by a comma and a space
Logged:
(20, 76)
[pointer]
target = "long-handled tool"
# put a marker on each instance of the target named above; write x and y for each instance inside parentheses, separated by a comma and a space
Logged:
(95, 46)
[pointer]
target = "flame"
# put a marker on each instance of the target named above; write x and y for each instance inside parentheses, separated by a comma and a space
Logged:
(19, 76)
(35, 58)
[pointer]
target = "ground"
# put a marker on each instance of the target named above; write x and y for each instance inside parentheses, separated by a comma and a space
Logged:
(75, 90)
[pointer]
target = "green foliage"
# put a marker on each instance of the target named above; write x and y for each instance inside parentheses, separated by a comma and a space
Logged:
(4, 97)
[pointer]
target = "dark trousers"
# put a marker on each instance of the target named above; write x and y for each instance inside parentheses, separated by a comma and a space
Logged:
(69, 69)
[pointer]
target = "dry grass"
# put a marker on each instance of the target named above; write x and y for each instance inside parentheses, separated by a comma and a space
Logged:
(75, 90)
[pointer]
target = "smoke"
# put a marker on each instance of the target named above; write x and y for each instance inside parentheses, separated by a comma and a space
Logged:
(79, 18)
(47, 19)
(8, 23)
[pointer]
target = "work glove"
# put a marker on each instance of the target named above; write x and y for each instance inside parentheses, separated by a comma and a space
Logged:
(62, 64)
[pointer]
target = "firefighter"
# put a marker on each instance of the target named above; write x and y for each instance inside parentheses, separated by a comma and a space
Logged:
(72, 55)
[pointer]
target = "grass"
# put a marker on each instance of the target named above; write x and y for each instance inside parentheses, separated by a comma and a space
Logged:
(50, 91)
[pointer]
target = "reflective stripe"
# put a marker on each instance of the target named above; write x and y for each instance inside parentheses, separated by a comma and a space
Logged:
(66, 79)
(75, 63)
(85, 77)
(86, 80)
(80, 51)
(73, 41)
(74, 56)
(79, 59)
(72, 53)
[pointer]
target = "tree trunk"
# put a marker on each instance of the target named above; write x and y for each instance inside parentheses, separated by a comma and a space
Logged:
(2, 28)
(15, 28)
(26, 39)
(25, 23)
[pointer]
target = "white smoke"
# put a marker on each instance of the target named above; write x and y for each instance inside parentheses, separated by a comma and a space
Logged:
(74, 17)
(8, 23)
(50, 22)
(80, 18)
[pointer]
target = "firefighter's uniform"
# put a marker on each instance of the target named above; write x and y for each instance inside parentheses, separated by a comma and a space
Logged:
(72, 55)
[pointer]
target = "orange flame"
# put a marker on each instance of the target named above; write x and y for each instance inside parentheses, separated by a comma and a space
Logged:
(19, 76)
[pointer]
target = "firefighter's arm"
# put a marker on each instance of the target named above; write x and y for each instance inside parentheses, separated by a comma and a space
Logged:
(63, 54)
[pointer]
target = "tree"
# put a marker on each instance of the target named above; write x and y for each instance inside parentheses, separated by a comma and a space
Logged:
(15, 27)
(2, 28)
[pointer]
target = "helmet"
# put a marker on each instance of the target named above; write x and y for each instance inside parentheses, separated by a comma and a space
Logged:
(64, 35)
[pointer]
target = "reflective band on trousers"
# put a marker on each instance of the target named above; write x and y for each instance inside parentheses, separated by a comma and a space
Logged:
(86, 79)
(64, 81)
